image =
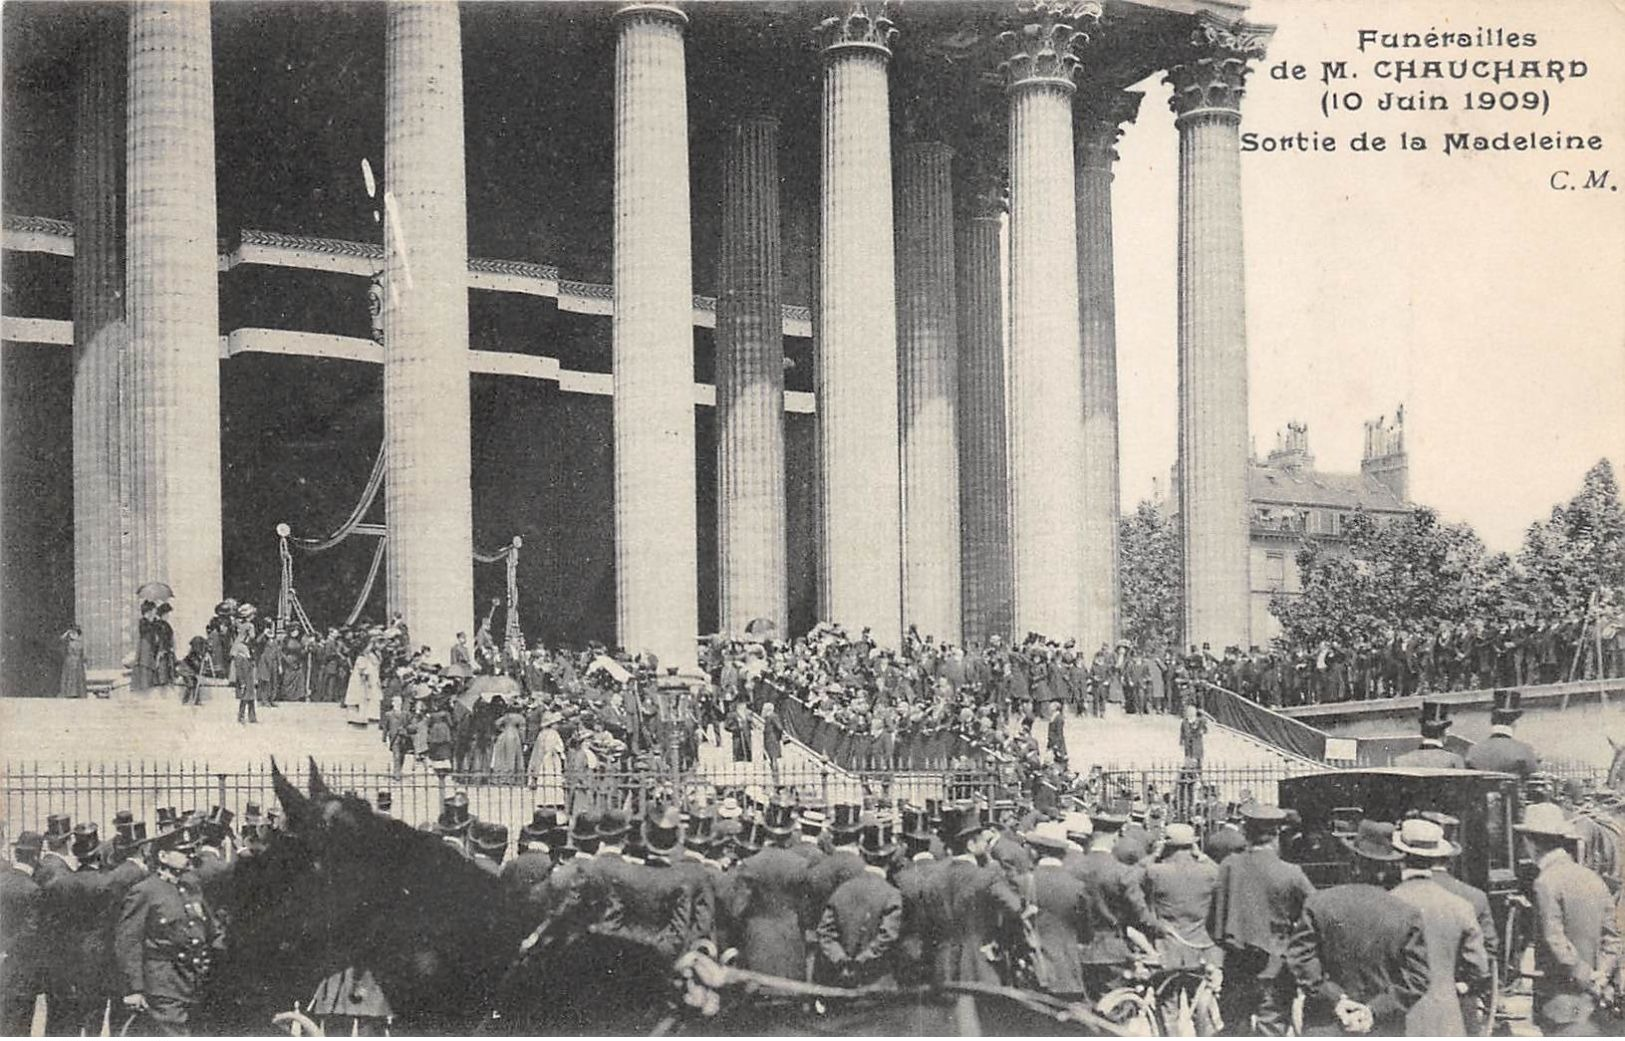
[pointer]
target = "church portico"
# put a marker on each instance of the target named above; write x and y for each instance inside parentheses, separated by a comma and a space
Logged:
(787, 293)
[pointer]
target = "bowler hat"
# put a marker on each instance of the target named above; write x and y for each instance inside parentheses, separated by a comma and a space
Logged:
(1373, 840)
(546, 822)
(29, 842)
(584, 831)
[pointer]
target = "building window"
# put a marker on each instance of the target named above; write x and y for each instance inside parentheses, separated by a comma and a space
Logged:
(1275, 571)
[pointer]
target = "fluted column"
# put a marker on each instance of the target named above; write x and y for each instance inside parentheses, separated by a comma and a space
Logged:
(1101, 117)
(861, 562)
(1213, 444)
(984, 487)
(428, 497)
(750, 382)
(172, 306)
(927, 348)
(1046, 375)
(103, 602)
(656, 555)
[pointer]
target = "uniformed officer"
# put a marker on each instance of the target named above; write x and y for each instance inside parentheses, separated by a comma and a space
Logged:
(1501, 750)
(862, 921)
(165, 940)
(1257, 898)
(1432, 752)
(1577, 947)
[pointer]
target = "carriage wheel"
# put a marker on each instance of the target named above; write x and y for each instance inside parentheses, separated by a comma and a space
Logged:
(1132, 1011)
(1514, 941)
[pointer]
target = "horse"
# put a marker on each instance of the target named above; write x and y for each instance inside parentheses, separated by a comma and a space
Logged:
(456, 952)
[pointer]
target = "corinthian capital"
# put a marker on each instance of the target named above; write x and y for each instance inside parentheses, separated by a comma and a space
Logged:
(1101, 115)
(1214, 75)
(1040, 52)
(863, 26)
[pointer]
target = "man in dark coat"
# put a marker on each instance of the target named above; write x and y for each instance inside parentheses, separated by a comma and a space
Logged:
(840, 865)
(526, 874)
(1116, 901)
(1432, 752)
(1257, 898)
(979, 903)
(1577, 946)
(1064, 921)
(21, 975)
(164, 940)
(862, 921)
(768, 895)
(915, 880)
(1501, 750)
(1359, 952)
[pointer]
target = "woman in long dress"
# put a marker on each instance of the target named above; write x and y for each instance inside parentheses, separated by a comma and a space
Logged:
(293, 673)
(362, 696)
(73, 684)
(547, 760)
(508, 750)
(144, 672)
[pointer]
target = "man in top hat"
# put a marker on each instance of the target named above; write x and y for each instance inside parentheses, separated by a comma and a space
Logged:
(1116, 900)
(454, 822)
(1577, 948)
(810, 824)
(700, 872)
(1432, 752)
(213, 862)
(841, 863)
(1257, 897)
(914, 880)
(488, 845)
(768, 899)
(977, 903)
(526, 874)
(164, 940)
(57, 855)
(862, 920)
(21, 943)
(1501, 750)
(1359, 952)
(652, 905)
(1455, 943)
(1064, 921)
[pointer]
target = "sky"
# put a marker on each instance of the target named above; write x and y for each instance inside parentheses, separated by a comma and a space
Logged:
(1463, 286)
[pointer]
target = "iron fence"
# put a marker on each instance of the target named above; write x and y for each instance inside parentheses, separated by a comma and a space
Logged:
(93, 793)
(1230, 783)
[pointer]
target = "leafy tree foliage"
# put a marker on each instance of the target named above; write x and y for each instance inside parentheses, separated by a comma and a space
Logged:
(1576, 552)
(1151, 576)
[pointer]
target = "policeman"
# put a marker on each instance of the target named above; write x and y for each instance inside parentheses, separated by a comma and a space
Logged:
(1502, 751)
(1256, 900)
(1435, 721)
(165, 940)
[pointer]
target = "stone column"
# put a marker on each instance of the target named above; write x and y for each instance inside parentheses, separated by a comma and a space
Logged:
(428, 497)
(172, 305)
(103, 588)
(927, 348)
(1213, 443)
(1102, 114)
(656, 533)
(750, 382)
(1046, 374)
(984, 487)
(861, 528)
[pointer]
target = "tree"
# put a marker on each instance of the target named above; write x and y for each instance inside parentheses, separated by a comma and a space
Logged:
(1413, 573)
(1150, 571)
(1578, 551)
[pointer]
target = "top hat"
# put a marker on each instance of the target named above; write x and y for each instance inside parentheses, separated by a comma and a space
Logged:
(878, 842)
(1423, 838)
(915, 824)
(752, 836)
(167, 818)
(613, 825)
(488, 837)
(1545, 818)
(778, 817)
(218, 819)
(454, 816)
(698, 835)
(1435, 717)
(253, 816)
(383, 804)
(933, 810)
(847, 819)
(1373, 840)
(182, 837)
(1507, 706)
(85, 840)
(547, 823)
(128, 831)
(57, 825)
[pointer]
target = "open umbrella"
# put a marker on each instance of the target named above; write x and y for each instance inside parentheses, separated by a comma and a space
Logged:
(488, 687)
(761, 627)
(154, 591)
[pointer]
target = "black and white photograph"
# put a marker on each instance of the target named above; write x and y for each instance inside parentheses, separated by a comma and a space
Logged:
(812, 517)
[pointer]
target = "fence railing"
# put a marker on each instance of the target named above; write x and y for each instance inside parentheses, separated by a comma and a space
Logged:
(93, 793)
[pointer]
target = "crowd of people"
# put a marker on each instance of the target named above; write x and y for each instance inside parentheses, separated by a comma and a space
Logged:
(1078, 901)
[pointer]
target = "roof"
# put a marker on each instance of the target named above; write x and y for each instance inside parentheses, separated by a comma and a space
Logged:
(1271, 484)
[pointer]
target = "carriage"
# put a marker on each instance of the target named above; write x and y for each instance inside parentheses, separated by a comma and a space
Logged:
(1487, 804)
